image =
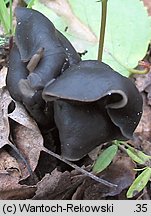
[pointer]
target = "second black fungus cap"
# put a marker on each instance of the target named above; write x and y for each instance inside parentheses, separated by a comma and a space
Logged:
(93, 104)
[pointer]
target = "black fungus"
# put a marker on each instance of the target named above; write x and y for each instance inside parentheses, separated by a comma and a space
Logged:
(89, 101)
(16, 71)
(93, 104)
(36, 36)
(33, 32)
(82, 127)
(33, 102)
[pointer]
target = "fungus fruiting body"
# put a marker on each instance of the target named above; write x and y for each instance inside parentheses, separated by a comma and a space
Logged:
(39, 55)
(89, 101)
(93, 104)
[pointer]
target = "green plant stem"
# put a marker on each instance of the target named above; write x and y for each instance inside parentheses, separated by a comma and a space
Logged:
(11, 18)
(102, 29)
(4, 17)
(135, 71)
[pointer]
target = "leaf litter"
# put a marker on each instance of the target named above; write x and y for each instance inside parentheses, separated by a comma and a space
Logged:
(10, 172)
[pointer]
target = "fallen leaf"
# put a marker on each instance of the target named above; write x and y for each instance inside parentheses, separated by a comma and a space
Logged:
(9, 164)
(3, 73)
(26, 136)
(11, 190)
(142, 135)
(5, 100)
(58, 185)
(120, 172)
(143, 83)
(51, 185)
(145, 122)
(28, 139)
(76, 176)
(30, 143)
(21, 116)
(95, 152)
(78, 195)
(147, 3)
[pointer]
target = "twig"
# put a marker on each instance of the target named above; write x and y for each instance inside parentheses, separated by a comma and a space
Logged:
(32, 174)
(91, 175)
(144, 195)
(122, 148)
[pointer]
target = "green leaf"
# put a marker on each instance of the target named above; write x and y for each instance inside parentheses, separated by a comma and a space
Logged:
(138, 156)
(30, 3)
(50, 14)
(4, 17)
(105, 158)
(139, 183)
(128, 34)
(128, 30)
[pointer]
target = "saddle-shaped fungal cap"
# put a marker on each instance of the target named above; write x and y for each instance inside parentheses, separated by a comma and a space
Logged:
(93, 104)
(82, 127)
(36, 32)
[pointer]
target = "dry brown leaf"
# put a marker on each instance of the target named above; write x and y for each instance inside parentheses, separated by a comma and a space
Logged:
(26, 136)
(147, 3)
(28, 140)
(9, 164)
(58, 185)
(10, 189)
(21, 116)
(30, 143)
(52, 185)
(78, 195)
(95, 152)
(5, 100)
(120, 172)
(142, 138)
(145, 124)
(3, 73)
(143, 83)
